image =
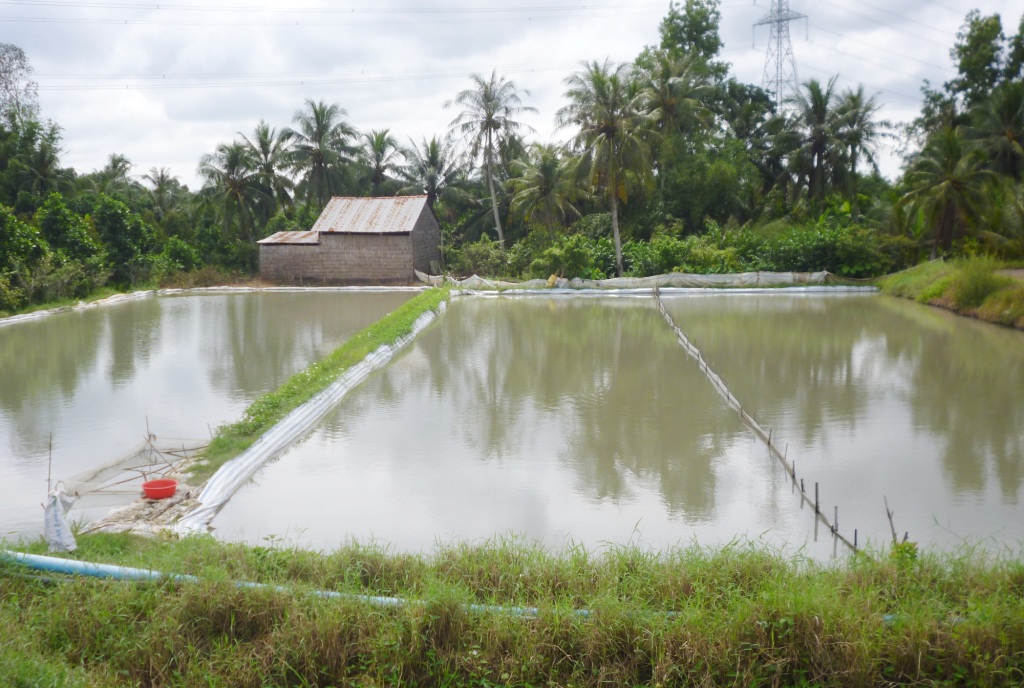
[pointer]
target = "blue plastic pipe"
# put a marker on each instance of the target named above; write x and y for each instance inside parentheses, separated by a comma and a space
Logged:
(85, 568)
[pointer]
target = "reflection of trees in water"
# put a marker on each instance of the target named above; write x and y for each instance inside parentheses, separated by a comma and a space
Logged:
(41, 362)
(776, 352)
(831, 358)
(631, 403)
(134, 330)
(968, 387)
(47, 357)
(253, 342)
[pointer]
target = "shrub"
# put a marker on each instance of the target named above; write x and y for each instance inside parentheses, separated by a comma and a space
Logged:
(482, 258)
(593, 226)
(576, 256)
(180, 255)
(1005, 307)
(11, 297)
(975, 280)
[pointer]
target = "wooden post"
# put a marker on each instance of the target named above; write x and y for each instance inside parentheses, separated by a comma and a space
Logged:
(855, 538)
(802, 485)
(835, 520)
(49, 468)
(889, 514)
(816, 509)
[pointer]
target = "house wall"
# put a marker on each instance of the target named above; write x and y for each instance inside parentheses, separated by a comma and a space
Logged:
(426, 241)
(341, 258)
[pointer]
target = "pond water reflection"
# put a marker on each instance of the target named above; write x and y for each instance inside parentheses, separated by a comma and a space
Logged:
(880, 396)
(583, 420)
(557, 420)
(182, 364)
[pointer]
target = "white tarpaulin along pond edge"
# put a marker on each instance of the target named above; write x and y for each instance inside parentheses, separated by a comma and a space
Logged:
(674, 279)
(236, 472)
(670, 291)
(137, 295)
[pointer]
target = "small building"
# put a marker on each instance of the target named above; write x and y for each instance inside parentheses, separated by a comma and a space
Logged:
(358, 240)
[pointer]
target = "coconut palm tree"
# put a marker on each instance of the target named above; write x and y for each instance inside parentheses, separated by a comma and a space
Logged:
(163, 185)
(433, 168)
(268, 152)
(675, 88)
(490, 109)
(233, 183)
(817, 124)
(380, 152)
(947, 184)
(998, 128)
(546, 186)
(606, 106)
(861, 131)
(320, 148)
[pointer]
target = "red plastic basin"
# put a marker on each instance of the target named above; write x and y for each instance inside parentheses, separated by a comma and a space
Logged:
(160, 489)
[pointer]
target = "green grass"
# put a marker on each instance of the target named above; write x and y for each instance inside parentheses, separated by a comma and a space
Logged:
(231, 440)
(741, 615)
(971, 286)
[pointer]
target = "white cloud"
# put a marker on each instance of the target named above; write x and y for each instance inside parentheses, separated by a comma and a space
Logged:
(393, 68)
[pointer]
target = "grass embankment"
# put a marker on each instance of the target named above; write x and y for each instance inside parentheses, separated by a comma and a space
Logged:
(971, 286)
(231, 440)
(740, 616)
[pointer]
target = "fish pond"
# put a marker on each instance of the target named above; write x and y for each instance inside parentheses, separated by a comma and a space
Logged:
(572, 420)
(99, 379)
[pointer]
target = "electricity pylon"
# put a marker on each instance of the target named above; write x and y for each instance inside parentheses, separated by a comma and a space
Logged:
(779, 64)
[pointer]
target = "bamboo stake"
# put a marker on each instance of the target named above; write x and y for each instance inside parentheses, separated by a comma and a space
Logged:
(49, 467)
(889, 513)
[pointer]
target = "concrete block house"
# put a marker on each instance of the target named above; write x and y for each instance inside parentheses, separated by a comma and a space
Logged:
(357, 240)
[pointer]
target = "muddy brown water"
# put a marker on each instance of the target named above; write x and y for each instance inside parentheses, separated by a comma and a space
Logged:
(565, 421)
(184, 364)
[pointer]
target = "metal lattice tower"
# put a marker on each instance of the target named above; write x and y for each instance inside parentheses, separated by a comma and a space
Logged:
(779, 64)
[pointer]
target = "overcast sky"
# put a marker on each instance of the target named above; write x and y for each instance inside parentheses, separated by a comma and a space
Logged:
(163, 84)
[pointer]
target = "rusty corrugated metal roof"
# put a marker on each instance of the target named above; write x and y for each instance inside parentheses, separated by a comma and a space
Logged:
(292, 238)
(395, 215)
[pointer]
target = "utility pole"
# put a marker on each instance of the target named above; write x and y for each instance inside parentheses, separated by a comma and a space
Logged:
(779, 64)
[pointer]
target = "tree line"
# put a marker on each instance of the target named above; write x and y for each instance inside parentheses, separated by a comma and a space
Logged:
(668, 163)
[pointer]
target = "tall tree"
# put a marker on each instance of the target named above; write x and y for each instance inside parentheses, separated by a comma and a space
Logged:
(978, 54)
(268, 153)
(606, 106)
(947, 185)
(1014, 67)
(37, 169)
(998, 127)
(320, 148)
(233, 184)
(489, 112)
(674, 91)
(860, 131)
(18, 92)
(817, 122)
(691, 27)
(163, 186)
(381, 153)
(432, 168)
(545, 187)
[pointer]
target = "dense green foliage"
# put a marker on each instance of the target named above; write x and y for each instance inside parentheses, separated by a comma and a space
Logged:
(668, 163)
(738, 616)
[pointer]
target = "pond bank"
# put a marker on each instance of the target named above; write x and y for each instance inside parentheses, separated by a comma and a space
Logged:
(741, 615)
(974, 287)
